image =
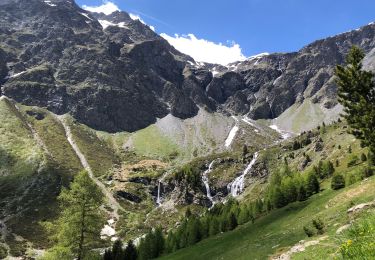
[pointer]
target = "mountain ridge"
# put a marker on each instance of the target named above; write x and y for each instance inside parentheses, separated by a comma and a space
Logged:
(124, 77)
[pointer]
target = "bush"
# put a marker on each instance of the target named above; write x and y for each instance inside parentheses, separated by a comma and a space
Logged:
(363, 157)
(368, 172)
(338, 182)
(353, 161)
(3, 252)
(308, 231)
(319, 225)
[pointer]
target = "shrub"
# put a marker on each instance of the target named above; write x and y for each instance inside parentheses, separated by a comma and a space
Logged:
(308, 231)
(3, 252)
(319, 225)
(338, 182)
(353, 161)
(368, 172)
(363, 157)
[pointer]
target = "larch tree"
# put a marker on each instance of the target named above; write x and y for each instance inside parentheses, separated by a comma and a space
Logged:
(77, 230)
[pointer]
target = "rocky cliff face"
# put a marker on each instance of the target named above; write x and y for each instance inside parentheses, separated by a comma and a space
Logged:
(114, 73)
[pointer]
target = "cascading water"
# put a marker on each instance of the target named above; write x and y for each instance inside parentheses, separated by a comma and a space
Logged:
(237, 186)
(205, 181)
(158, 199)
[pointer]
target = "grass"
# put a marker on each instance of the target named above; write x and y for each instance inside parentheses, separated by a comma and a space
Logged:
(100, 156)
(19, 153)
(53, 135)
(151, 142)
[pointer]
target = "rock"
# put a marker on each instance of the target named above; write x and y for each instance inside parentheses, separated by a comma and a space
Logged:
(360, 207)
(128, 196)
(342, 228)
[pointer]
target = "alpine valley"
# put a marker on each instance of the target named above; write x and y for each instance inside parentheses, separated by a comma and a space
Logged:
(211, 160)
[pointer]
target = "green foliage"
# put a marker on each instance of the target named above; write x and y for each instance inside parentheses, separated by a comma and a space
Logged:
(78, 227)
(357, 94)
(319, 225)
(152, 245)
(190, 175)
(337, 182)
(358, 240)
(368, 172)
(312, 184)
(353, 161)
(3, 252)
(130, 252)
(363, 157)
(308, 231)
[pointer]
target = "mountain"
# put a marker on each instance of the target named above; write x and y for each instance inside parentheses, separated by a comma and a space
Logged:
(160, 133)
(113, 73)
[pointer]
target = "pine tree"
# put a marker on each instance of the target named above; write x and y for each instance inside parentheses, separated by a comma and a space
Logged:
(337, 182)
(214, 227)
(357, 94)
(78, 227)
(312, 184)
(243, 216)
(159, 241)
(193, 235)
(117, 250)
(232, 221)
(302, 194)
(130, 252)
(279, 200)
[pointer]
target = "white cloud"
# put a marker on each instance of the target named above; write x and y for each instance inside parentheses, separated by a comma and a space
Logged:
(107, 8)
(137, 17)
(205, 51)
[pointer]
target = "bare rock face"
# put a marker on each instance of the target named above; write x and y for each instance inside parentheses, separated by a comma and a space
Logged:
(113, 73)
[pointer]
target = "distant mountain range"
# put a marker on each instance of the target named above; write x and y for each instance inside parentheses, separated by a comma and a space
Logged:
(114, 73)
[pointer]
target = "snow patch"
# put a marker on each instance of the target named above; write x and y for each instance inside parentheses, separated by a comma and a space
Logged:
(105, 24)
(17, 74)
(232, 134)
(86, 15)
(284, 134)
(258, 56)
(49, 3)
(136, 17)
(107, 231)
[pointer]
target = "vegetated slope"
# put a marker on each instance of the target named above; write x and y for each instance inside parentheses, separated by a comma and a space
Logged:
(277, 231)
(113, 73)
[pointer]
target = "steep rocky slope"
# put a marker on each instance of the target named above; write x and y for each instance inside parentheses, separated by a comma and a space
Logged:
(114, 73)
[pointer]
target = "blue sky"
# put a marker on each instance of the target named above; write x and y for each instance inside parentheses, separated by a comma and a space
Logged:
(255, 25)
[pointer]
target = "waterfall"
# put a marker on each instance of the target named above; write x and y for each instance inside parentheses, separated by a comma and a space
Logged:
(205, 181)
(237, 186)
(158, 199)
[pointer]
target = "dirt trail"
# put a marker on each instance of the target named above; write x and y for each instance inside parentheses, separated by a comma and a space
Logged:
(111, 200)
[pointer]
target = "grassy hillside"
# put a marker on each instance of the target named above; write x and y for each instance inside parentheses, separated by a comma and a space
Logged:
(276, 232)
(283, 228)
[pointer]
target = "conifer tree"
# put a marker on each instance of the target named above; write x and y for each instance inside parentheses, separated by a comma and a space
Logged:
(357, 94)
(312, 184)
(78, 227)
(337, 182)
(130, 252)
(214, 227)
(117, 250)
